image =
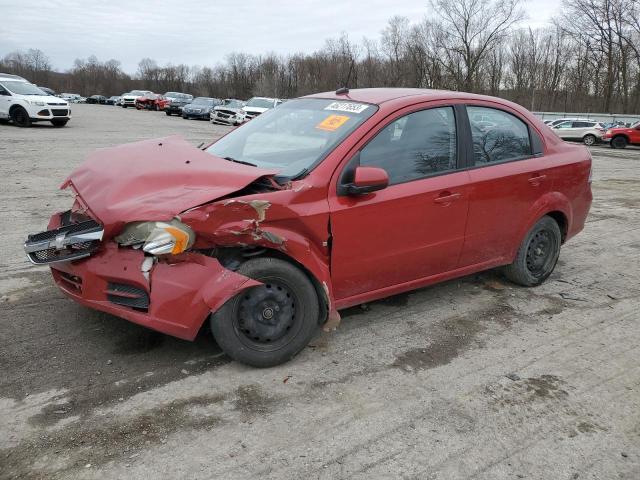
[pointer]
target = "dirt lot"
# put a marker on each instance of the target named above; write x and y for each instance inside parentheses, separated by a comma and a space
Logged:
(473, 378)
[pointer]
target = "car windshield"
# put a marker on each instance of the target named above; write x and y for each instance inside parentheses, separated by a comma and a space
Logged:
(136, 92)
(637, 124)
(260, 103)
(22, 88)
(293, 137)
(233, 103)
(202, 101)
(172, 94)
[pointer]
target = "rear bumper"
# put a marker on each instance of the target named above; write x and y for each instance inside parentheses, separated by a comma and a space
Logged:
(175, 299)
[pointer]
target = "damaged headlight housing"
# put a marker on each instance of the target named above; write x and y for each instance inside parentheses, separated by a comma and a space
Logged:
(157, 238)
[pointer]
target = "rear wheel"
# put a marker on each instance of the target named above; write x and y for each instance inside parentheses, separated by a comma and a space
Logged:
(618, 142)
(20, 117)
(59, 123)
(589, 140)
(269, 324)
(537, 255)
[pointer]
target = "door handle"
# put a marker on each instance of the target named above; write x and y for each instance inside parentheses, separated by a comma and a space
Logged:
(537, 180)
(446, 198)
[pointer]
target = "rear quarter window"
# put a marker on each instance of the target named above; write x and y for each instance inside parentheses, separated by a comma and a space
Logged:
(497, 136)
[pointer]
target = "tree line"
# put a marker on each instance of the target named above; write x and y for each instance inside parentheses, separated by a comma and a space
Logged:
(587, 59)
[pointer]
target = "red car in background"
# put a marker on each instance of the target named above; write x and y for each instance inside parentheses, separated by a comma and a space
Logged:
(152, 101)
(325, 202)
(620, 137)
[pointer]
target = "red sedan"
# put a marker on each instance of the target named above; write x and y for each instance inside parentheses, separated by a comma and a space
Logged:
(620, 137)
(322, 203)
(152, 101)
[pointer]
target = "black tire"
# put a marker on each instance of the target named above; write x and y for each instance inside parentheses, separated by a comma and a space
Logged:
(168, 113)
(589, 140)
(619, 142)
(4, 121)
(268, 325)
(124, 106)
(59, 123)
(20, 117)
(537, 255)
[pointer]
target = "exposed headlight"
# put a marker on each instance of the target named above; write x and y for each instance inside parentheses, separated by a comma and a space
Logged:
(157, 238)
(36, 102)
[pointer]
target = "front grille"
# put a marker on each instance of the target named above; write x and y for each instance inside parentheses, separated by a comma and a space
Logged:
(128, 296)
(88, 225)
(72, 241)
(226, 112)
(68, 254)
(59, 112)
(56, 103)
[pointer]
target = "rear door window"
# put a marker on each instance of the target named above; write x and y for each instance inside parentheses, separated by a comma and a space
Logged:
(498, 136)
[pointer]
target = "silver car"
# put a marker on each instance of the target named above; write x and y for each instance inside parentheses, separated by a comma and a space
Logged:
(587, 131)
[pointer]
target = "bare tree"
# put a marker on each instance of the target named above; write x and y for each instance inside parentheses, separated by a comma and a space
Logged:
(469, 30)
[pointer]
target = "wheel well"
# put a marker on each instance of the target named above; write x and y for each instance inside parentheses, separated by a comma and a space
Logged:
(562, 222)
(15, 106)
(232, 257)
(621, 135)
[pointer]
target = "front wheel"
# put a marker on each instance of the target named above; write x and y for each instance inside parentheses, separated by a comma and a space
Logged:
(59, 123)
(618, 142)
(20, 117)
(537, 255)
(589, 140)
(168, 113)
(269, 324)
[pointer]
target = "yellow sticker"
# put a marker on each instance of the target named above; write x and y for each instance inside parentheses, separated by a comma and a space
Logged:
(332, 122)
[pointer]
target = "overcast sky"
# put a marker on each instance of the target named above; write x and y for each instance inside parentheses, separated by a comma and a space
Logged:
(199, 32)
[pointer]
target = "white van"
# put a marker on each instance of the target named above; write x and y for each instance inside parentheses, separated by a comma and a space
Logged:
(23, 103)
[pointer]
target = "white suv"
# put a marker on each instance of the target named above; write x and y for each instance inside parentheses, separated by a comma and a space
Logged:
(24, 103)
(589, 132)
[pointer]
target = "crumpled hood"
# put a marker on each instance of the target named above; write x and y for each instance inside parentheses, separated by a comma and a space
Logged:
(155, 180)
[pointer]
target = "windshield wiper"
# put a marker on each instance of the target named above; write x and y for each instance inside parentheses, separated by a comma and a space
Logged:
(240, 161)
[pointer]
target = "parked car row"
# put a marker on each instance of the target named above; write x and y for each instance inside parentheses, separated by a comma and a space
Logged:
(591, 132)
(229, 111)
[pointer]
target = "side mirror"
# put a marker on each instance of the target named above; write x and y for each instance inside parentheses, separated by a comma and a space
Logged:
(367, 180)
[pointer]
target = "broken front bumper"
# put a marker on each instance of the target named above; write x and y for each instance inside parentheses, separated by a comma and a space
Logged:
(175, 296)
(176, 299)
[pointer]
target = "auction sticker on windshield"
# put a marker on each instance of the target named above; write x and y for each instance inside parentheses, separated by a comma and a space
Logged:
(332, 122)
(347, 107)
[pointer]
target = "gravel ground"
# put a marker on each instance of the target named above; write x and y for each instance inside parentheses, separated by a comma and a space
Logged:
(473, 378)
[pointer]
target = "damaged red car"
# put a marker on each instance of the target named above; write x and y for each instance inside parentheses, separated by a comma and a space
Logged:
(323, 203)
(152, 101)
